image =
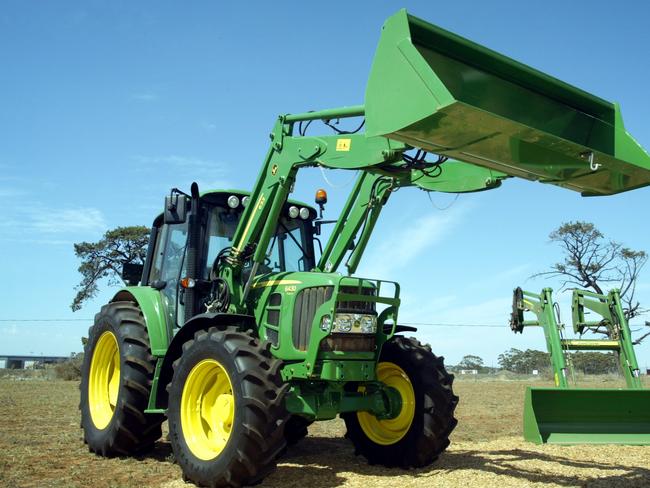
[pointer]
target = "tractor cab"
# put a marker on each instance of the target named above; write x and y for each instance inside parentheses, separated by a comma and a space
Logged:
(219, 212)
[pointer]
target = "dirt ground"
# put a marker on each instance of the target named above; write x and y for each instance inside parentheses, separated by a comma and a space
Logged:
(41, 446)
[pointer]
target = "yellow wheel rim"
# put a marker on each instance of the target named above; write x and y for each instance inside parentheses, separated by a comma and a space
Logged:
(207, 409)
(390, 431)
(104, 380)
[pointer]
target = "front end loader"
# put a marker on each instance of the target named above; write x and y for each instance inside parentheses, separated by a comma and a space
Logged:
(241, 335)
(567, 414)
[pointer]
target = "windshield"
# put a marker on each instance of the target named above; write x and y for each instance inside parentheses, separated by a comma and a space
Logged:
(289, 250)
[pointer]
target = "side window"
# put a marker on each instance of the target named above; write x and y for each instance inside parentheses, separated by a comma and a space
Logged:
(168, 263)
(294, 256)
(158, 253)
(222, 225)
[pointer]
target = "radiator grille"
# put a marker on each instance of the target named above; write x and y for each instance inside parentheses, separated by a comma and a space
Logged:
(349, 343)
(355, 306)
(307, 302)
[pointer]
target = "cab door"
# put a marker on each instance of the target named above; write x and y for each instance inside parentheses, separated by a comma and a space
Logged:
(167, 267)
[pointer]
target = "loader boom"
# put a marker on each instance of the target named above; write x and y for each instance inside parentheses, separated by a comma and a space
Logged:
(434, 91)
(382, 169)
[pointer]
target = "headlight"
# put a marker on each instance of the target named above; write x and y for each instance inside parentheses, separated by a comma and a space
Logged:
(342, 323)
(354, 323)
(325, 323)
(368, 324)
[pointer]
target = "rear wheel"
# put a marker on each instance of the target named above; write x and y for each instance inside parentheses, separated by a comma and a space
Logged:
(420, 432)
(226, 409)
(116, 381)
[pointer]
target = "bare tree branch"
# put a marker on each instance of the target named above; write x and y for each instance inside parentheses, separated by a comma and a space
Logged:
(590, 261)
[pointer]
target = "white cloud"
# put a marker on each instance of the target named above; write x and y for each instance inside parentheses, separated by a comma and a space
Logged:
(181, 171)
(11, 192)
(509, 273)
(10, 330)
(46, 242)
(40, 224)
(144, 97)
(400, 248)
(642, 286)
(77, 220)
(179, 162)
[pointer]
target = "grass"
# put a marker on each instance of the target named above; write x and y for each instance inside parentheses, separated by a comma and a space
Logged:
(41, 446)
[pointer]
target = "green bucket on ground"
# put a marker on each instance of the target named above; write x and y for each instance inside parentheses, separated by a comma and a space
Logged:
(587, 416)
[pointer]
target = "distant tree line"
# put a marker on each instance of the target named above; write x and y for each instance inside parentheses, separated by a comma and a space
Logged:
(525, 362)
(587, 362)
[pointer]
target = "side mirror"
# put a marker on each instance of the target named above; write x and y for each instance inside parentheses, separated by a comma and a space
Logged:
(132, 273)
(176, 207)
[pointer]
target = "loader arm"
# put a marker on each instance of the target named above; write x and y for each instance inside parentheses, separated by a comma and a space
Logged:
(382, 168)
(610, 309)
(433, 90)
(542, 306)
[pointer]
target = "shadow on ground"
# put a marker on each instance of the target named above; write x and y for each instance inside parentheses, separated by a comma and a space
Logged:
(330, 462)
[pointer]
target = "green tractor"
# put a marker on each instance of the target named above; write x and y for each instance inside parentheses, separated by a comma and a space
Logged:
(238, 385)
(240, 334)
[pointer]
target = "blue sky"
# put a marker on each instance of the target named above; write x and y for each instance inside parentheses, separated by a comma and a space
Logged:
(106, 105)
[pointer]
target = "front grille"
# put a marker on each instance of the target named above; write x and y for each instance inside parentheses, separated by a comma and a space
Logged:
(273, 317)
(307, 302)
(357, 306)
(348, 343)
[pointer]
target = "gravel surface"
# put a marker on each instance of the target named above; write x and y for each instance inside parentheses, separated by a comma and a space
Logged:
(41, 446)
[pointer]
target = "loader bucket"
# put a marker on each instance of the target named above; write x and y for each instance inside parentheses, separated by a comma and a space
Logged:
(587, 416)
(435, 90)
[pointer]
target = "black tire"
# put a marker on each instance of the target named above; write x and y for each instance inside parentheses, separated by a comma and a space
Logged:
(257, 432)
(435, 402)
(130, 430)
(296, 429)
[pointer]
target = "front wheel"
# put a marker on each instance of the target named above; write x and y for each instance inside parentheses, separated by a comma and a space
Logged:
(226, 409)
(420, 432)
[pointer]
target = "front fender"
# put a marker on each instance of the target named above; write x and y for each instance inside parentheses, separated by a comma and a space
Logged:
(150, 302)
(199, 322)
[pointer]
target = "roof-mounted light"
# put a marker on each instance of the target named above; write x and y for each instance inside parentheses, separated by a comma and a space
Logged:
(233, 201)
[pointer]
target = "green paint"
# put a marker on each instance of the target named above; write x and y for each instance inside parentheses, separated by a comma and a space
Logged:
(150, 302)
(435, 90)
(151, 407)
(325, 400)
(569, 415)
(587, 416)
(610, 309)
(542, 306)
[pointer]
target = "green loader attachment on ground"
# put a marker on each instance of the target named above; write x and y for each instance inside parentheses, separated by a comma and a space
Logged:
(437, 91)
(570, 415)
